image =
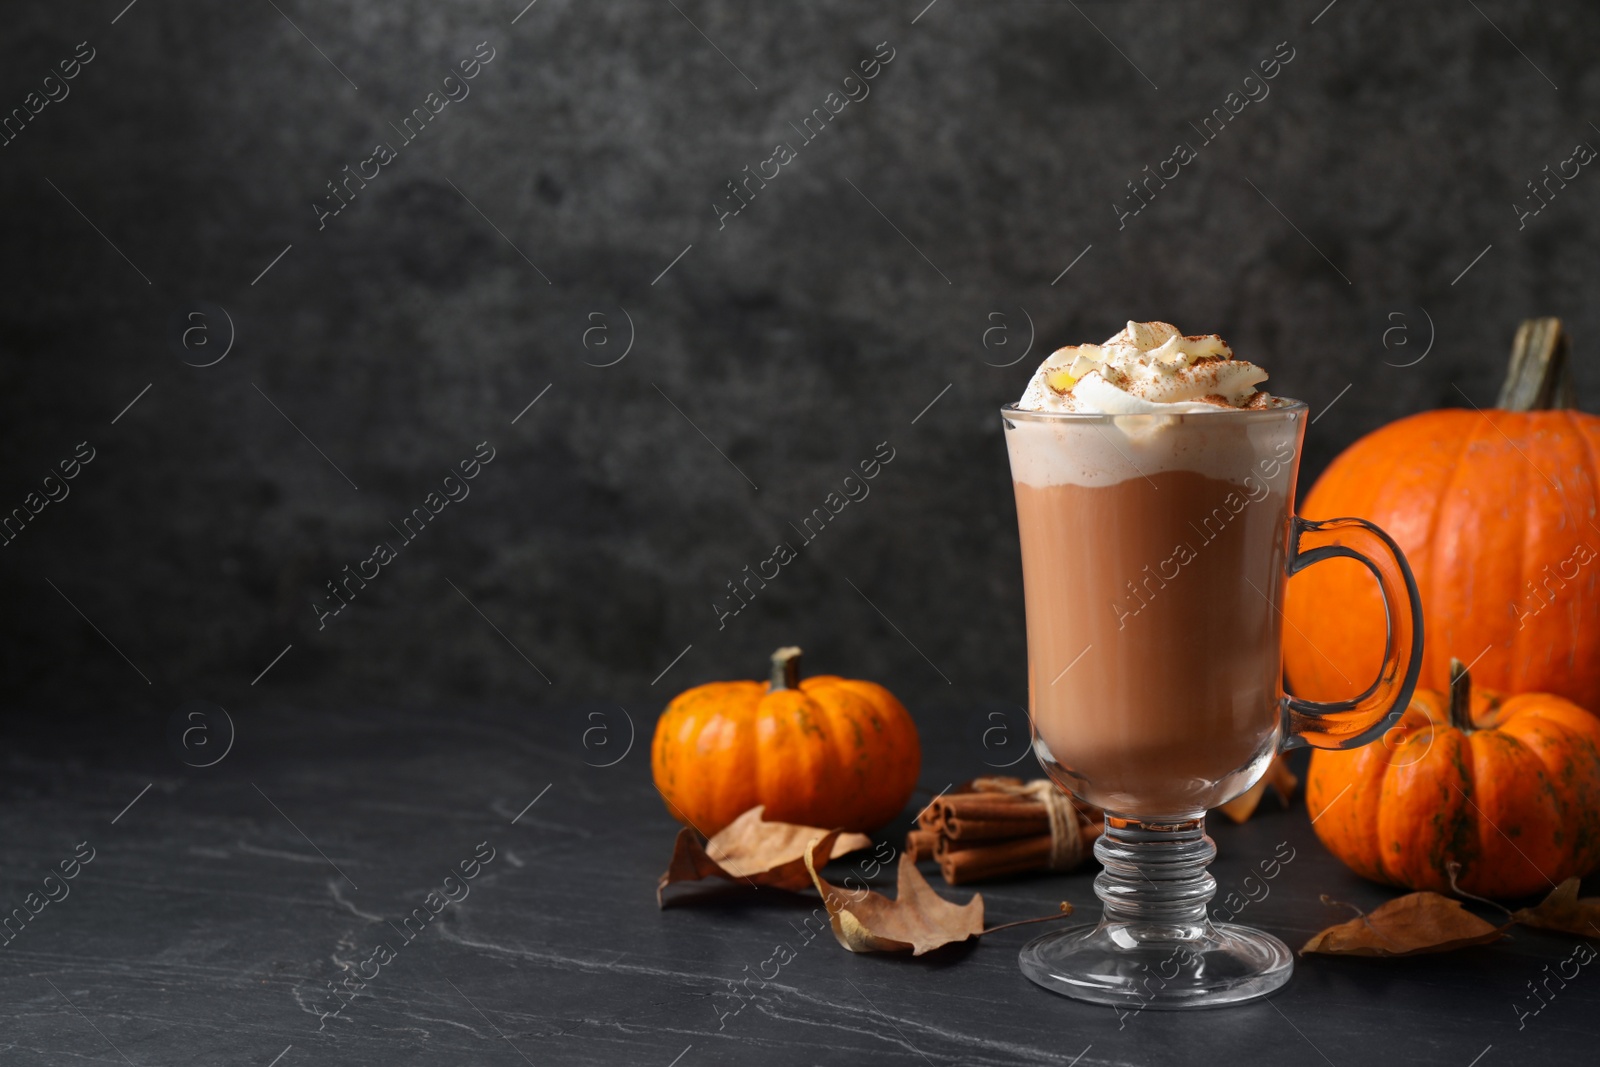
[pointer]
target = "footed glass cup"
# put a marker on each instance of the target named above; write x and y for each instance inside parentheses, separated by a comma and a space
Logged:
(1155, 551)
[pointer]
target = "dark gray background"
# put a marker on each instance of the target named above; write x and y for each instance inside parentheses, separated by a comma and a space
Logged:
(796, 339)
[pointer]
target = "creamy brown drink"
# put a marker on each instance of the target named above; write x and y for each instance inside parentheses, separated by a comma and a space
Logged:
(1154, 535)
(1155, 486)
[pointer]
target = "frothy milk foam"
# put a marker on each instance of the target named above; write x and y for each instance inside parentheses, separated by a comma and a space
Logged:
(1153, 485)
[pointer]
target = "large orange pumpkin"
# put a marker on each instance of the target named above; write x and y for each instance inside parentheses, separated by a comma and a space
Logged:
(1509, 788)
(826, 751)
(1498, 512)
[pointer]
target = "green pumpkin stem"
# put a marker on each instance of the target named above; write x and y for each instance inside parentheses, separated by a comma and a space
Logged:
(786, 668)
(1460, 697)
(1540, 374)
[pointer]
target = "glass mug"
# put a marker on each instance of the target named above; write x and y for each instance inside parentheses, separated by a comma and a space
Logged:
(1155, 550)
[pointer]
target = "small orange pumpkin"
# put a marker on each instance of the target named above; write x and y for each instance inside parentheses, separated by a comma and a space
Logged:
(1507, 787)
(828, 751)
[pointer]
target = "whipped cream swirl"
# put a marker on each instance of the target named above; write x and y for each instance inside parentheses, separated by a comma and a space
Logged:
(1146, 368)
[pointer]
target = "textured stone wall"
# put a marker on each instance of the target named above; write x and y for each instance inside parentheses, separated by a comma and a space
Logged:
(558, 228)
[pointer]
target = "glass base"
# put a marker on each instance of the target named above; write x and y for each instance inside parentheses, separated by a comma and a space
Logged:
(1110, 963)
(1154, 946)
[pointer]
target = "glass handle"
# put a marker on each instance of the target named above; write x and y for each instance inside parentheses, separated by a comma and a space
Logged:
(1353, 723)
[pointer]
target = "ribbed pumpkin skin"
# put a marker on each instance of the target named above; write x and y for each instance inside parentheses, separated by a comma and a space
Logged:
(1469, 498)
(836, 752)
(1516, 802)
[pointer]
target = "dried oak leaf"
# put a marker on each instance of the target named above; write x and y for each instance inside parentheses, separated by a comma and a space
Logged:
(1278, 776)
(1564, 910)
(918, 919)
(770, 854)
(1407, 926)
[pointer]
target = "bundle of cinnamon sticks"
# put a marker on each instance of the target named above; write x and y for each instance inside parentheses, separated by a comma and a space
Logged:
(992, 827)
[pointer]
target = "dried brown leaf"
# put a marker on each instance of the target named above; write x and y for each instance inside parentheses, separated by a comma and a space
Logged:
(749, 849)
(918, 919)
(1278, 776)
(1564, 910)
(1407, 926)
(1244, 805)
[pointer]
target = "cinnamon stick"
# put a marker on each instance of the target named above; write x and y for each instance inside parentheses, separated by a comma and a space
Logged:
(984, 805)
(994, 861)
(986, 816)
(920, 845)
(993, 827)
(974, 861)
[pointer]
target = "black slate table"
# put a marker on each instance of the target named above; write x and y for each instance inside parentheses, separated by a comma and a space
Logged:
(221, 903)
